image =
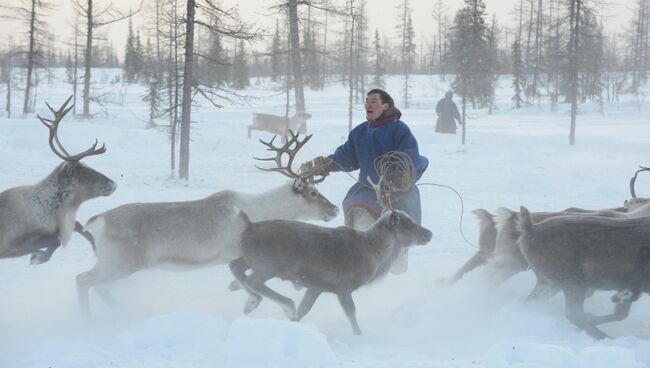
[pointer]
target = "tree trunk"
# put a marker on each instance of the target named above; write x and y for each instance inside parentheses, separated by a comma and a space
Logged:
(172, 85)
(464, 102)
(30, 58)
(295, 59)
(76, 67)
(351, 67)
(89, 49)
(184, 161)
(8, 81)
(573, 69)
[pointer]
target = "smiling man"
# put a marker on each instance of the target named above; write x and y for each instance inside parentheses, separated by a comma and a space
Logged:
(383, 132)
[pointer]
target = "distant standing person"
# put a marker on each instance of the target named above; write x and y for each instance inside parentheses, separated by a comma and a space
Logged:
(447, 112)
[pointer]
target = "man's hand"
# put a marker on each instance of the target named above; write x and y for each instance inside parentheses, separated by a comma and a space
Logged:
(317, 166)
(400, 182)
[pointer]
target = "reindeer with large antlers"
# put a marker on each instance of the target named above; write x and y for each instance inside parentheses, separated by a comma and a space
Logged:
(336, 260)
(37, 219)
(195, 233)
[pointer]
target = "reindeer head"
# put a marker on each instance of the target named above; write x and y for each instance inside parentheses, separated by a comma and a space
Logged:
(74, 180)
(303, 183)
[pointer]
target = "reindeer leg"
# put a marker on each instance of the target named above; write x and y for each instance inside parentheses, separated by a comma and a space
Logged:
(85, 281)
(234, 285)
(350, 310)
(256, 282)
(32, 244)
(307, 302)
(544, 289)
(636, 279)
(238, 268)
(97, 277)
(626, 297)
(574, 310)
(50, 243)
(478, 259)
(621, 312)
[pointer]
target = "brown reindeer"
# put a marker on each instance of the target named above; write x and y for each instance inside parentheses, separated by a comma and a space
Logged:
(581, 253)
(498, 234)
(37, 219)
(336, 260)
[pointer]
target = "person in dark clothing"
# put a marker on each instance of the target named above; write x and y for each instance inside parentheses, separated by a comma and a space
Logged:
(447, 111)
(383, 132)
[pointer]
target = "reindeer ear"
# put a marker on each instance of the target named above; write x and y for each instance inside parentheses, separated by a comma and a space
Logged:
(394, 219)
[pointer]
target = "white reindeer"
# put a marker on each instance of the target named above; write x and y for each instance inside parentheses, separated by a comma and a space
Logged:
(280, 125)
(137, 236)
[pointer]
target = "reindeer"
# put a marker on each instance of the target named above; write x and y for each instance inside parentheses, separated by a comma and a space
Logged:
(195, 233)
(336, 260)
(38, 218)
(498, 236)
(279, 125)
(577, 253)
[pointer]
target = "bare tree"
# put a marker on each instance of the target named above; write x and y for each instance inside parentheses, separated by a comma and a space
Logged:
(574, 32)
(441, 18)
(296, 61)
(291, 7)
(639, 44)
(95, 18)
(184, 162)
(407, 46)
(378, 75)
(33, 13)
(6, 81)
(228, 26)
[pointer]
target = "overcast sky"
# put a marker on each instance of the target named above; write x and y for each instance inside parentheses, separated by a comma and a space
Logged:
(382, 16)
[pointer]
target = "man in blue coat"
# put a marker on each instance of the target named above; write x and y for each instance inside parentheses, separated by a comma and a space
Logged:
(383, 132)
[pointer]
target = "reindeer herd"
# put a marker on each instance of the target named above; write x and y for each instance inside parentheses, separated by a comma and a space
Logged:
(260, 236)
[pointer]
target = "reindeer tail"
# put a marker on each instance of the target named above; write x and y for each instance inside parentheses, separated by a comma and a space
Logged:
(244, 217)
(487, 230)
(80, 229)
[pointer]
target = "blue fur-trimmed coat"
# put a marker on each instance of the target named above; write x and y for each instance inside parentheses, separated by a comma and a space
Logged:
(365, 143)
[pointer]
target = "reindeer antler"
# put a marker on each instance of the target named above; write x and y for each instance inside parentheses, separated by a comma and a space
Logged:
(633, 179)
(53, 126)
(383, 196)
(287, 149)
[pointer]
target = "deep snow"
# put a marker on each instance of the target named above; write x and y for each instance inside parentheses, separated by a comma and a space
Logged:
(190, 319)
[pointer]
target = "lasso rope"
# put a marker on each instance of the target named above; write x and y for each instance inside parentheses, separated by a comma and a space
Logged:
(387, 163)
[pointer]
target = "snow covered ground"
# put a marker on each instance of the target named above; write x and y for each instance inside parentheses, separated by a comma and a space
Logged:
(190, 319)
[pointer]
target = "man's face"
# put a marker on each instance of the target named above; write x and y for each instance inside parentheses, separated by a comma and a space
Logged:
(374, 106)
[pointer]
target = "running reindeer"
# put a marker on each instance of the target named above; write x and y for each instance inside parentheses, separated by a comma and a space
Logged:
(336, 260)
(498, 235)
(580, 253)
(195, 233)
(37, 219)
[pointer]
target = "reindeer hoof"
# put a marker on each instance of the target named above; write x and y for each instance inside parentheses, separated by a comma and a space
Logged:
(234, 285)
(38, 258)
(252, 303)
(290, 311)
(623, 296)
